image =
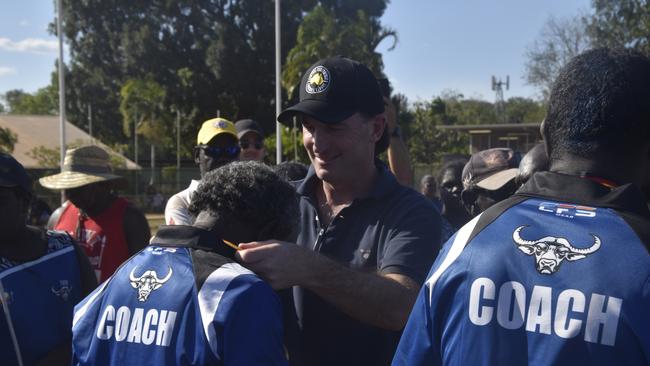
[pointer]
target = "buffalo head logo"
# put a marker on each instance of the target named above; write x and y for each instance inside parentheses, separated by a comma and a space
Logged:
(63, 290)
(147, 282)
(551, 251)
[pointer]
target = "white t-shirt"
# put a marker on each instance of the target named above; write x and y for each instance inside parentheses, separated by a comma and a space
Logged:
(176, 210)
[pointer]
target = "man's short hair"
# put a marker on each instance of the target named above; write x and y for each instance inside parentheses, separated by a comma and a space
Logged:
(600, 102)
(252, 193)
(456, 164)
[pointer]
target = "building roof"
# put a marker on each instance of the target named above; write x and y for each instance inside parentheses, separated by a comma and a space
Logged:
(34, 131)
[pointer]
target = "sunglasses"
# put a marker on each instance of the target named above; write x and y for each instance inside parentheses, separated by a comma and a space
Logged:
(216, 152)
(245, 145)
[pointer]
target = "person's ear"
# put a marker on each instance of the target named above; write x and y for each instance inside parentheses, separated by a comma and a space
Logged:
(197, 154)
(378, 124)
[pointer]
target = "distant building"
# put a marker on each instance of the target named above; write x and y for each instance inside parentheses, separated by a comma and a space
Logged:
(35, 131)
(520, 137)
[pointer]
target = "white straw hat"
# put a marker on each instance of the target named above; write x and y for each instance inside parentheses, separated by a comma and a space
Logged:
(82, 166)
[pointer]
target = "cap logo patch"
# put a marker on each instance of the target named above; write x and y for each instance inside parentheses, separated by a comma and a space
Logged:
(318, 81)
(220, 124)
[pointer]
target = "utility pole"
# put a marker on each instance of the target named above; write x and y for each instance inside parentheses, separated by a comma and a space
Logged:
(62, 119)
(499, 103)
(90, 123)
(278, 86)
(178, 148)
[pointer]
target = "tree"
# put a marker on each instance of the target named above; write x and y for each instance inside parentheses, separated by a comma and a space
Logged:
(524, 110)
(559, 41)
(623, 23)
(208, 56)
(45, 101)
(8, 140)
(324, 33)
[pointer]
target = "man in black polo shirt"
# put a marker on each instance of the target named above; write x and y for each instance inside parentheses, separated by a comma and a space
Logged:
(365, 241)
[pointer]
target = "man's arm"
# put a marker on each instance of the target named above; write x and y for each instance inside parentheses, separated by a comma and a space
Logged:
(398, 155)
(381, 300)
(54, 218)
(136, 229)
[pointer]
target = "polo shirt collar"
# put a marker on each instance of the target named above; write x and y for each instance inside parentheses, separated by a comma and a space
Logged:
(385, 183)
(187, 236)
(574, 189)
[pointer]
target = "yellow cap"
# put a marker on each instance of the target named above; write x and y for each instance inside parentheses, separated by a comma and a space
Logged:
(214, 127)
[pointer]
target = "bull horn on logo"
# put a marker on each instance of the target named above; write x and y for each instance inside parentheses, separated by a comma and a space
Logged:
(589, 250)
(519, 240)
(132, 275)
(167, 277)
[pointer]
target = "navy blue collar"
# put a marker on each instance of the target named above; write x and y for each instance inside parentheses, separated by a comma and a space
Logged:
(191, 237)
(384, 184)
(574, 189)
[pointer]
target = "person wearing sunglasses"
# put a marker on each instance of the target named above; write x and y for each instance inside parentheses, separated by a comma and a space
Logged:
(216, 146)
(488, 178)
(251, 140)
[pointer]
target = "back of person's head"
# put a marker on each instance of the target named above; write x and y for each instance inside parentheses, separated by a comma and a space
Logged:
(253, 194)
(534, 161)
(291, 170)
(600, 104)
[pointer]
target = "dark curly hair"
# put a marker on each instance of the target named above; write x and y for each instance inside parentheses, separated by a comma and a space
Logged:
(251, 192)
(291, 170)
(600, 102)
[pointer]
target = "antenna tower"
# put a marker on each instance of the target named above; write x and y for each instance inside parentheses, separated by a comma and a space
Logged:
(499, 103)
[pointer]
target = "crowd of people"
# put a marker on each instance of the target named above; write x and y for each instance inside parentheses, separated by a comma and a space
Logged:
(499, 259)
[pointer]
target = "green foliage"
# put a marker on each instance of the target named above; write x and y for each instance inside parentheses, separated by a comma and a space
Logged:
(427, 143)
(142, 104)
(292, 146)
(322, 34)
(207, 55)
(8, 140)
(622, 23)
(45, 157)
(524, 110)
(45, 101)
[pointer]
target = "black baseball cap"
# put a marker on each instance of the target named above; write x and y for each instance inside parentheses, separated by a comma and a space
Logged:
(335, 88)
(246, 125)
(491, 169)
(13, 174)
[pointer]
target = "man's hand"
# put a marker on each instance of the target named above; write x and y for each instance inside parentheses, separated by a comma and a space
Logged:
(391, 114)
(280, 263)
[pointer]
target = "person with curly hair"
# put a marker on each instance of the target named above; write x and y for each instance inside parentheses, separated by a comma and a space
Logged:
(183, 299)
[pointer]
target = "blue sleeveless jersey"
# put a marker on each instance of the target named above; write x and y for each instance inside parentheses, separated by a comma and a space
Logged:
(540, 281)
(37, 302)
(177, 305)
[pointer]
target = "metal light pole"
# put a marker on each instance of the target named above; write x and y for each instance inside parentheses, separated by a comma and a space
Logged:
(59, 16)
(178, 148)
(90, 123)
(278, 90)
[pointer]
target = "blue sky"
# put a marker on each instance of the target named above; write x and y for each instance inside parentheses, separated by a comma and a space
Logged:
(442, 45)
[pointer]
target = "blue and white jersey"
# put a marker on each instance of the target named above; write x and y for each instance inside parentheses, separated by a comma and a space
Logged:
(37, 302)
(540, 280)
(179, 302)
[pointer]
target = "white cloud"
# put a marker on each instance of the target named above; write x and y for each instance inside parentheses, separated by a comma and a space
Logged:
(31, 45)
(4, 71)
(23, 23)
